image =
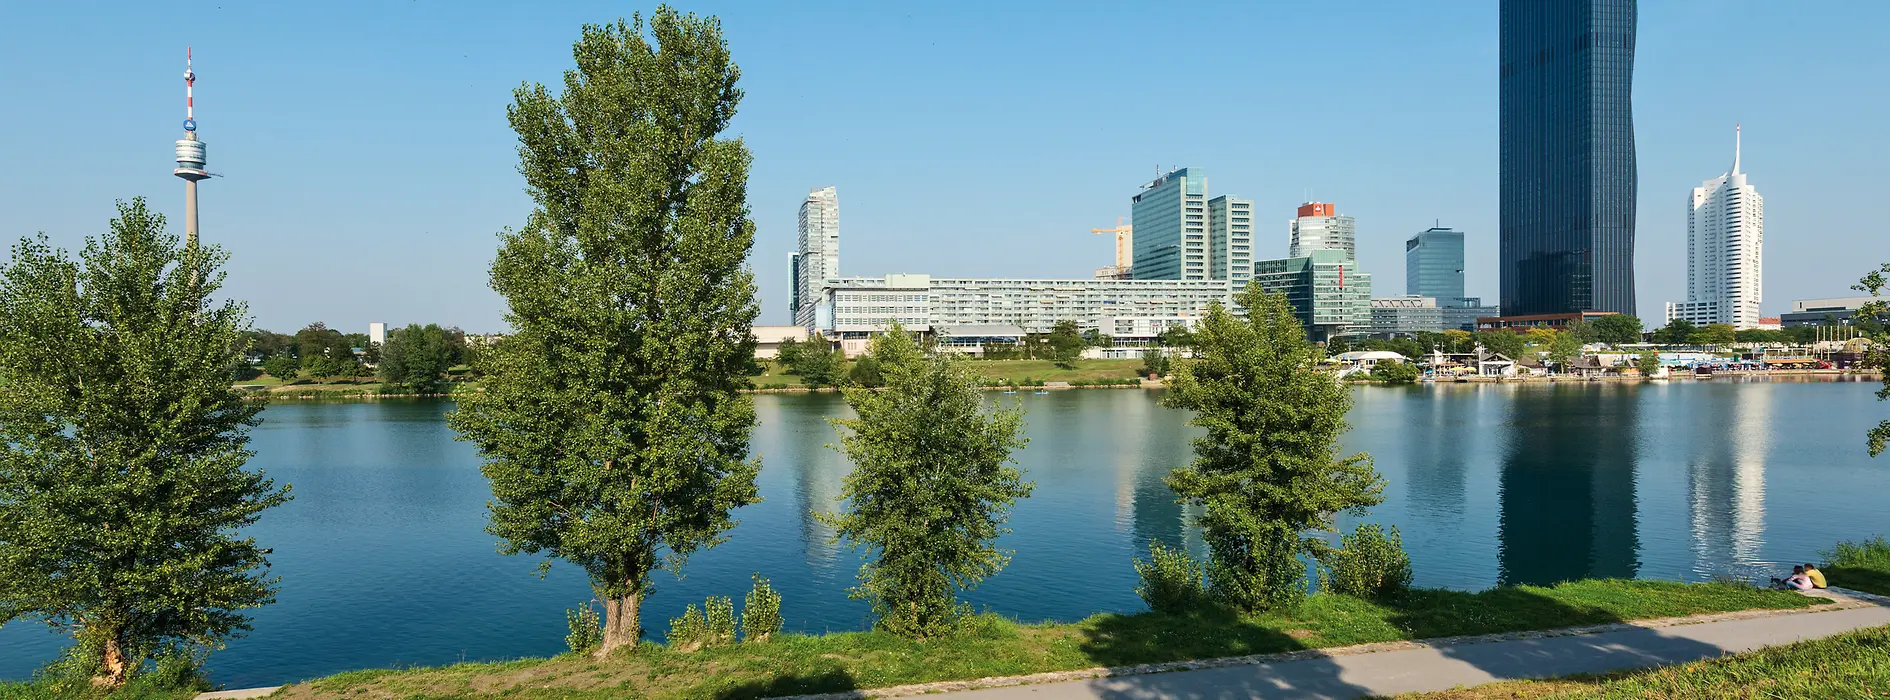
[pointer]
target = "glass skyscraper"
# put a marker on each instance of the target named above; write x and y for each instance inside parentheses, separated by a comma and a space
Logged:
(1567, 156)
(1433, 265)
(1170, 219)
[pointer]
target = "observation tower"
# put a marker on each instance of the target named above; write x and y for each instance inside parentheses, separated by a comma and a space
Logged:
(190, 155)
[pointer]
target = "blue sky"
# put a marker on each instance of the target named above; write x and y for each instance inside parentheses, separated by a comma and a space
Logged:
(368, 165)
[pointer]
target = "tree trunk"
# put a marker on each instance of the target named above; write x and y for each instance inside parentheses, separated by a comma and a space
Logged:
(114, 669)
(622, 627)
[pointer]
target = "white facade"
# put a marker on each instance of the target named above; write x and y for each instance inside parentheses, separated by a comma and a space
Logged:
(1725, 234)
(1310, 233)
(816, 259)
(920, 302)
(377, 333)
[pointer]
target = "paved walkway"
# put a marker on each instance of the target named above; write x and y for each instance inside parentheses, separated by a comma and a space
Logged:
(1336, 674)
(1408, 667)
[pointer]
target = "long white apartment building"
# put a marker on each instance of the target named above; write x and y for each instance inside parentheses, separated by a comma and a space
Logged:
(1725, 235)
(861, 305)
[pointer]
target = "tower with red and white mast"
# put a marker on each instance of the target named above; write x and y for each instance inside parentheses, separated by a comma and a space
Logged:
(190, 154)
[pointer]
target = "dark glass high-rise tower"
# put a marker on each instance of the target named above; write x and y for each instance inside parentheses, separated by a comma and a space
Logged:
(1567, 153)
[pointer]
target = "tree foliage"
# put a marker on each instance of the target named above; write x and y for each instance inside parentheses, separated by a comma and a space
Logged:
(417, 357)
(1066, 345)
(1648, 364)
(1269, 469)
(122, 448)
(817, 362)
(1504, 342)
(1678, 331)
(1393, 372)
(1714, 334)
(931, 487)
(1563, 349)
(1878, 352)
(282, 367)
(613, 423)
(1616, 329)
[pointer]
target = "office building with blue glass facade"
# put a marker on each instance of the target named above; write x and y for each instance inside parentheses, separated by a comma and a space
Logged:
(1433, 264)
(1568, 173)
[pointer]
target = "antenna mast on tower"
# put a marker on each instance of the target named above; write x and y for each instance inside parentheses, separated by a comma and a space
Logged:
(190, 154)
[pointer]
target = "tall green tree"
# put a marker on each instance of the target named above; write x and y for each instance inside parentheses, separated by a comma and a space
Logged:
(416, 357)
(122, 447)
(818, 363)
(931, 487)
(1066, 344)
(1714, 334)
(1648, 363)
(1563, 348)
(1878, 352)
(613, 422)
(1508, 344)
(282, 367)
(1269, 468)
(1616, 329)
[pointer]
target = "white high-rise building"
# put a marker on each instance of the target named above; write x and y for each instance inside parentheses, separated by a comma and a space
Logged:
(1725, 234)
(816, 258)
(1319, 227)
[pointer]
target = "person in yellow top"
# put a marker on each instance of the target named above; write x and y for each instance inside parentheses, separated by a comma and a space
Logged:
(1816, 576)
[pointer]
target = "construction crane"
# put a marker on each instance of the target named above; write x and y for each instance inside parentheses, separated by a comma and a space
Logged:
(1125, 248)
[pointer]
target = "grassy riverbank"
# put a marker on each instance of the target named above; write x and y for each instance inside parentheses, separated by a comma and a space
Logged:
(993, 646)
(1851, 665)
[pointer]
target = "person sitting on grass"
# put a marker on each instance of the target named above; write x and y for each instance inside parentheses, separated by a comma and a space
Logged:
(1816, 576)
(1798, 581)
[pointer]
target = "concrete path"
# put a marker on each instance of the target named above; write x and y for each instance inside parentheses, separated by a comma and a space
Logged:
(1407, 667)
(1441, 666)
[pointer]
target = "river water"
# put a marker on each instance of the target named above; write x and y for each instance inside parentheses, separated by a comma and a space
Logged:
(384, 561)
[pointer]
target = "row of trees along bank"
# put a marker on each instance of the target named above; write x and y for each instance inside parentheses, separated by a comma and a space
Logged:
(613, 428)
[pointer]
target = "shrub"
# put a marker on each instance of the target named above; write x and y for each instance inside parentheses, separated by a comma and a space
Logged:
(689, 632)
(761, 612)
(1395, 372)
(719, 612)
(1171, 580)
(1873, 553)
(586, 631)
(1369, 563)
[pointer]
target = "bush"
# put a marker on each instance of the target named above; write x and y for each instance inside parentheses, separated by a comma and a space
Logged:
(1873, 553)
(1171, 580)
(719, 612)
(1369, 563)
(586, 631)
(689, 632)
(866, 373)
(1395, 372)
(761, 612)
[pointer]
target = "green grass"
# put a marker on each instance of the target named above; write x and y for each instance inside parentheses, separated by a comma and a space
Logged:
(993, 646)
(1863, 566)
(1851, 665)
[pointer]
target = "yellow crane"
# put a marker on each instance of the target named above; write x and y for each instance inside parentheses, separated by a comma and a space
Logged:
(1125, 236)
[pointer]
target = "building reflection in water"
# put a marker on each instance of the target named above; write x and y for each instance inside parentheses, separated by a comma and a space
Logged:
(1726, 480)
(1567, 485)
(818, 475)
(1145, 506)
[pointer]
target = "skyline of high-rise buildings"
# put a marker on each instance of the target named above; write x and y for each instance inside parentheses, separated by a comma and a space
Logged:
(1725, 237)
(1568, 173)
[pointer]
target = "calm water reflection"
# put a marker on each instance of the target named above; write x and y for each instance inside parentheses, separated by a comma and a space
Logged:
(384, 562)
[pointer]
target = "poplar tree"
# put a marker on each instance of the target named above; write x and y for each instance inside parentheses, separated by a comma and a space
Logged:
(1870, 318)
(931, 487)
(122, 445)
(1269, 469)
(613, 424)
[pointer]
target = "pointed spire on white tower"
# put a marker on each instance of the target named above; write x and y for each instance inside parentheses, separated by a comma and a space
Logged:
(1735, 170)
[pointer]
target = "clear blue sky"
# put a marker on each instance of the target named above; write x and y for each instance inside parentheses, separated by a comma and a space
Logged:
(368, 164)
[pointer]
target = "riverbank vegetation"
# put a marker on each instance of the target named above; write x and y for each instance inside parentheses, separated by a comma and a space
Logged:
(1850, 665)
(988, 645)
(1863, 566)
